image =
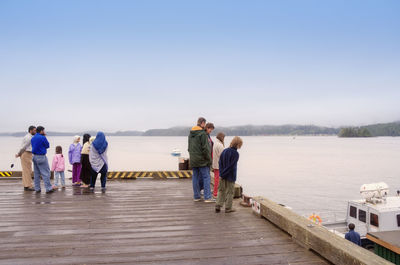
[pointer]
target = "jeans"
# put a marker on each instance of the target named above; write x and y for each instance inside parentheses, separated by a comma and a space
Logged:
(201, 173)
(57, 175)
(103, 172)
(41, 168)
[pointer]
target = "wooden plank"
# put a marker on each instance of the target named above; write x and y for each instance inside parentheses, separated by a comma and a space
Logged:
(147, 221)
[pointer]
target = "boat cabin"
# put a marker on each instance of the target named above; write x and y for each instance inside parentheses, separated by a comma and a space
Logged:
(378, 216)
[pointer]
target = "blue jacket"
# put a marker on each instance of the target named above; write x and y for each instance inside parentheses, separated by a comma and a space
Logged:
(39, 144)
(354, 237)
(228, 164)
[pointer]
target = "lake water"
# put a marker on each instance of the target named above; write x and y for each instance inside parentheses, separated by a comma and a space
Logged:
(306, 173)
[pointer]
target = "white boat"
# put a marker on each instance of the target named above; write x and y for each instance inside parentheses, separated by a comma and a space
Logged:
(376, 212)
(176, 152)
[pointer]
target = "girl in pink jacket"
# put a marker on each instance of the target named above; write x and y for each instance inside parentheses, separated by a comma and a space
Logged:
(58, 166)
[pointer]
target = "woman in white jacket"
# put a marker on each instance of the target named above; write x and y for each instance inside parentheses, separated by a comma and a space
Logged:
(217, 150)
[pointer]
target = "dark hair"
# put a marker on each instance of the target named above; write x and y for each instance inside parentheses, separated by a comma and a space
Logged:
(210, 125)
(58, 149)
(39, 129)
(200, 121)
(31, 128)
(221, 137)
(352, 226)
(86, 138)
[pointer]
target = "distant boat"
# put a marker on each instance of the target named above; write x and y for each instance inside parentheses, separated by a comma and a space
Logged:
(176, 152)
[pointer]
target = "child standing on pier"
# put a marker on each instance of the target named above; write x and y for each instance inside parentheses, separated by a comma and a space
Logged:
(58, 166)
(217, 150)
(74, 155)
(228, 168)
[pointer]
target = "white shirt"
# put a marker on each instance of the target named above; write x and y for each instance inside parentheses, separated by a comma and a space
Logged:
(217, 151)
(26, 144)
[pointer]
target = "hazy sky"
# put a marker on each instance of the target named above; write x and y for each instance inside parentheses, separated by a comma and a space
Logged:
(120, 65)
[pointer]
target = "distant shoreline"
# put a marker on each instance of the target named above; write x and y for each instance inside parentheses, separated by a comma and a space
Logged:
(382, 129)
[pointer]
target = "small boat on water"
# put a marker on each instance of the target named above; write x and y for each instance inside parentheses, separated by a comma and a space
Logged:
(375, 212)
(176, 152)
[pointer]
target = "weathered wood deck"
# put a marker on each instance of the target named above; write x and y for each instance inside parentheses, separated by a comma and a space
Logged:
(135, 222)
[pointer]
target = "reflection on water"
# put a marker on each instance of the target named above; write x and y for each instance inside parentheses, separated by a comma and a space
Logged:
(306, 173)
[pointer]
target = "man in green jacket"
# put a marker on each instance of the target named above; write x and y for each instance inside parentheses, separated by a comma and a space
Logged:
(200, 160)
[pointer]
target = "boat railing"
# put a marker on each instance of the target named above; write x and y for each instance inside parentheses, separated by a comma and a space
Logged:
(329, 217)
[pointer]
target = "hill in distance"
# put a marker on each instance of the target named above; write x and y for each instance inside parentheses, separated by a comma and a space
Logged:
(381, 129)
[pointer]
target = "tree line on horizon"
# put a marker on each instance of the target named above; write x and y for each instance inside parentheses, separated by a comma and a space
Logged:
(383, 129)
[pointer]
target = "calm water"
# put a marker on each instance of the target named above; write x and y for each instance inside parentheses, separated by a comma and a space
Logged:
(306, 173)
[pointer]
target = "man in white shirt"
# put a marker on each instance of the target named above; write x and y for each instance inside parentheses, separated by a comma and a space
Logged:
(25, 153)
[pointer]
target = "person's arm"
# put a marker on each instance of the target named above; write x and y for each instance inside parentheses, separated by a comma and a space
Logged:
(205, 147)
(70, 153)
(347, 236)
(46, 143)
(25, 143)
(217, 149)
(53, 165)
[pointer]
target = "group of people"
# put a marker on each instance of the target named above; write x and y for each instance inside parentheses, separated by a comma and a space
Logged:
(205, 155)
(87, 160)
(90, 159)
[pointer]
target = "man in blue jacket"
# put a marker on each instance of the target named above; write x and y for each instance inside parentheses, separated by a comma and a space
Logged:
(227, 173)
(352, 235)
(41, 164)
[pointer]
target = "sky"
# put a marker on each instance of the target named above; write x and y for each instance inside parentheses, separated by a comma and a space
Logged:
(136, 65)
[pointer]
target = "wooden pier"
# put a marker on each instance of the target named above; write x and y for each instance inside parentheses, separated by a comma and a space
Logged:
(144, 221)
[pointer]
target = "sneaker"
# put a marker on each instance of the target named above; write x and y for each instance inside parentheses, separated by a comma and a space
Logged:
(50, 191)
(38, 191)
(217, 208)
(210, 200)
(103, 190)
(29, 189)
(197, 200)
(231, 210)
(63, 187)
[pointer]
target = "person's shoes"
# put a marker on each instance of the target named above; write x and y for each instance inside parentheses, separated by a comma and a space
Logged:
(38, 191)
(103, 190)
(29, 189)
(63, 187)
(76, 184)
(217, 208)
(231, 210)
(202, 192)
(197, 200)
(49, 191)
(210, 200)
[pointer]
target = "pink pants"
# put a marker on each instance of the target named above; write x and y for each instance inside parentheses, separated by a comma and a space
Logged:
(76, 172)
(216, 182)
